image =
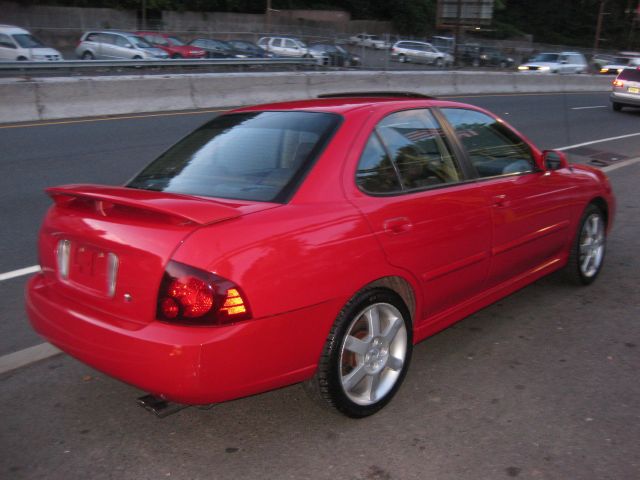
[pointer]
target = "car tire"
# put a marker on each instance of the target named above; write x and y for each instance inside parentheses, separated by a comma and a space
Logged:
(366, 355)
(439, 63)
(503, 64)
(475, 62)
(616, 106)
(402, 58)
(137, 57)
(87, 56)
(176, 56)
(588, 249)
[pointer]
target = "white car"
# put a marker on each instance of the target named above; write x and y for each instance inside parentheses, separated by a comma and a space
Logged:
(370, 41)
(420, 52)
(18, 44)
(618, 64)
(285, 47)
(564, 62)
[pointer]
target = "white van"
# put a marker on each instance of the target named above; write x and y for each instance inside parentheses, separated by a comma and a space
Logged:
(563, 62)
(18, 44)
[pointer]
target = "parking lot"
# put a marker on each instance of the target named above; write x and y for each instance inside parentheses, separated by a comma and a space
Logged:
(542, 384)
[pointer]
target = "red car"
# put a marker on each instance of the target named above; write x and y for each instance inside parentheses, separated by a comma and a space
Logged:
(171, 44)
(313, 241)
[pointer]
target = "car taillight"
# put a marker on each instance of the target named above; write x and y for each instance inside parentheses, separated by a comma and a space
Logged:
(618, 83)
(195, 297)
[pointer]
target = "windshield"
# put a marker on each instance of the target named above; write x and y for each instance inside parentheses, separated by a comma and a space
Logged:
(176, 41)
(27, 41)
(139, 42)
(545, 57)
(259, 156)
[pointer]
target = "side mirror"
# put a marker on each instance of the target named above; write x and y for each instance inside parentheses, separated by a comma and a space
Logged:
(554, 160)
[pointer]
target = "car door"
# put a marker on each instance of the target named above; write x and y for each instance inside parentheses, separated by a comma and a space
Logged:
(412, 190)
(123, 48)
(108, 48)
(8, 48)
(528, 206)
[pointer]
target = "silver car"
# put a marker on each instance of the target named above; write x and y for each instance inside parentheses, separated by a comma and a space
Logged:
(117, 46)
(410, 51)
(626, 89)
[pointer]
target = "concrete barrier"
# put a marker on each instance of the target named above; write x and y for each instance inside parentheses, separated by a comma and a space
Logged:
(55, 98)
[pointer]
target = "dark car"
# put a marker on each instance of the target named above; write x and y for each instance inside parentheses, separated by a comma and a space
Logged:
(335, 55)
(478, 56)
(249, 49)
(216, 48)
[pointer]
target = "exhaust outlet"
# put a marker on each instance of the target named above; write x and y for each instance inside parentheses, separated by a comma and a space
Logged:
(159, 406)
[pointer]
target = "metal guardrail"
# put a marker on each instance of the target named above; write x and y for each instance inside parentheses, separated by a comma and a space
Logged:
(29, 67)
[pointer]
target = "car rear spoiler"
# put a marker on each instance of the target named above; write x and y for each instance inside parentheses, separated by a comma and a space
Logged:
(197, 210)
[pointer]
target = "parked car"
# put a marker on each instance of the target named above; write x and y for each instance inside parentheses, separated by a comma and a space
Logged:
(479, 56)
(333, 55)
(216, 48)
(618, 64)
(313, 241)
(171, 44)
(18, 44)
(420, 52)
(116, 46)
(370, 41)
(249, 49)
(564, 62)
(626, 89)
(285, 47)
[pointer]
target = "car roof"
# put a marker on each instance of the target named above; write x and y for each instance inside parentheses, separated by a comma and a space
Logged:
(345, 104)
(12, 29)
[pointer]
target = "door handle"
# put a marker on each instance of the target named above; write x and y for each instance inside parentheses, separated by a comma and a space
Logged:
(501, 200)
(396, 226)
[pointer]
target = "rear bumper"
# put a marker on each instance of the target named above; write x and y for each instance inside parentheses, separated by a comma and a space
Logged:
(191, 365)
(625, 98)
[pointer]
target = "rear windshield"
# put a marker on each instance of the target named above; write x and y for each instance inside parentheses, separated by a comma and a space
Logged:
(259, 156)
(630, 74)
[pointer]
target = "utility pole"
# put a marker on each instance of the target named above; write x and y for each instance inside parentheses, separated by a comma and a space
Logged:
(596, 43)
(268, 16)
(458, 30)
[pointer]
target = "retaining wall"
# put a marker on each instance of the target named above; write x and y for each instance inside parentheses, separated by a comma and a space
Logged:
(55, 98)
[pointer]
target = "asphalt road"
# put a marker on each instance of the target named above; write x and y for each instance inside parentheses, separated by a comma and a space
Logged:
(543, 384)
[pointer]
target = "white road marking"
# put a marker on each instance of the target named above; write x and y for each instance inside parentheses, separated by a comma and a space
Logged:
(587, 108)
(610, 139)
(27, 356)
(19, 273)
(624, 163)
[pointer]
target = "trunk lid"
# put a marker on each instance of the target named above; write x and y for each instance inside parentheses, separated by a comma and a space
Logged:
(107, 247)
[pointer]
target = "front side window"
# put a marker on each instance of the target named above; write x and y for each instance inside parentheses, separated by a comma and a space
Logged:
(492, 147)
(258, 156)
(26, 40)
(407, 151)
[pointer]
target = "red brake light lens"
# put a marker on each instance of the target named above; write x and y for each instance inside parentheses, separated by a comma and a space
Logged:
(196, 297)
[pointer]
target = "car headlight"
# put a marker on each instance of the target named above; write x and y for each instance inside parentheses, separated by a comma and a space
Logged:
(545, 68)
(523, 67)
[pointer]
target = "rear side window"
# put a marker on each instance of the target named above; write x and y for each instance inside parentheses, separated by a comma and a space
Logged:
(630, 74)
(492, 147)
(259, 156)
(407, 151)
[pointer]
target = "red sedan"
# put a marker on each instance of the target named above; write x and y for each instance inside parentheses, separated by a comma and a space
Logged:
(171, 44)
(313, 241)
